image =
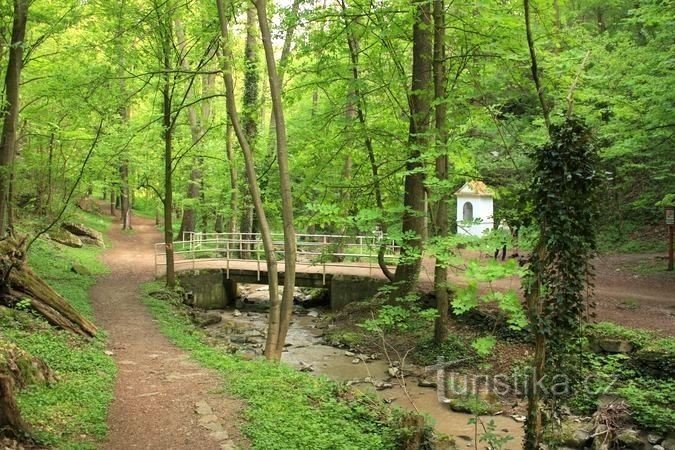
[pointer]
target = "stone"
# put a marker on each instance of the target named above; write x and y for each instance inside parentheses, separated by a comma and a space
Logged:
(615, 345)
(356, 361)
(658, 447)
(304, 367)
(236, 313)
(518, 418)
(425, 382)
(668, 443)
(65, 238)
(628, 439)
(87, 234)
(381, 385)
(203, 409)
(313, 313)
(220, 435)
(654, 438)
(204, 319)
(350, 354)
(393, 371)
(578, 439)
(80, 269)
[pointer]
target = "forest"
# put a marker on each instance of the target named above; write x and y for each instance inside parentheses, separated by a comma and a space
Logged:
(314, 158)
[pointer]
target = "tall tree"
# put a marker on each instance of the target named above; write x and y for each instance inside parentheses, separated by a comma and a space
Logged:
(9, 110)
(189, 220)
(290, 250)
(441, 211)
(265, 230)
(421, 93)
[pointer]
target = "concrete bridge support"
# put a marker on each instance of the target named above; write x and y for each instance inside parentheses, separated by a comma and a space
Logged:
(212, 289)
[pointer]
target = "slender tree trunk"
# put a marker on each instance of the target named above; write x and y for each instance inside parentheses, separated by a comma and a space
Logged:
(283, 61)
(9, 110)
(284, 179)
(441, 215)
(168, 124)
(234, 193)
(189, 220)
(359, 100)
(534, 66)
(112, 201)
(50, 176)
(124, 114)
(268, 244)
(125, 202)
(407, 271)
(533, 423)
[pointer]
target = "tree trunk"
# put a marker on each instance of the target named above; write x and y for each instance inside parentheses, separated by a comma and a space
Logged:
(283, 61)
(11, 423)
(359, 100)
(284, 178)
(268, 245)
(124, 114)
(168, 123)
(407, 271)
(441, 215)
(9, 110)
(125, 202)
(19, 282)
(189, 220)
(234, 193)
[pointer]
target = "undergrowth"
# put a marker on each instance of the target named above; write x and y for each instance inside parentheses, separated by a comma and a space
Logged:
(286, 409)
(72, 412)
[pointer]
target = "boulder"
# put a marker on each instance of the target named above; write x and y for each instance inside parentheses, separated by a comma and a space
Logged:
(668, 443)
(654, 438)
(655, 360)
(614, 345)
(80, 269)
(573, 435)
(65, 238)
(204, 319)
(629, 440)
(85, 233)
(23, 368)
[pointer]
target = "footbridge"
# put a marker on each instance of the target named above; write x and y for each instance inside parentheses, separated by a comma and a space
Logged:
(346, 265)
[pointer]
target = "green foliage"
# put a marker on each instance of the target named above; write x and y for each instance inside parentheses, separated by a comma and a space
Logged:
(637, 337)
(651, 403)
(286, 408)
(489, 434)
(454, 348)
(405, 315)
(72, 412)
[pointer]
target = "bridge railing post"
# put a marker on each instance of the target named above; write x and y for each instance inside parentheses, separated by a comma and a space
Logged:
(257, 256)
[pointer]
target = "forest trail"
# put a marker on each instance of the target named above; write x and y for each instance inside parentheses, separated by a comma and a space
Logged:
(163, 400)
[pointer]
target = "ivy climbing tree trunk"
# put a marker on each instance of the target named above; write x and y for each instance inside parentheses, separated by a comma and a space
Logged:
(284, 179)
(407, 271)
(9, 110)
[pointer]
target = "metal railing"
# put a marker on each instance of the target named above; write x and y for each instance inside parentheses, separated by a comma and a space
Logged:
(325, 250)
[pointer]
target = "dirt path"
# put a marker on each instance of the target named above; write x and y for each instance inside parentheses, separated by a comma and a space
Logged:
(162, 399)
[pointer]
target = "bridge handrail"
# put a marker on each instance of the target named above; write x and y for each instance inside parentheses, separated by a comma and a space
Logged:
(231, 247)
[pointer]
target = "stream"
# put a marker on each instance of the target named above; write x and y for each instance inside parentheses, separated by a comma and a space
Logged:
(306, 350)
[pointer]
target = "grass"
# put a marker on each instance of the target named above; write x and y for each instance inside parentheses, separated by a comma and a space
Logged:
(71, 413)
(286, 409)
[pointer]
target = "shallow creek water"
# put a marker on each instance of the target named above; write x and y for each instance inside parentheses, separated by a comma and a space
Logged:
(305, 347)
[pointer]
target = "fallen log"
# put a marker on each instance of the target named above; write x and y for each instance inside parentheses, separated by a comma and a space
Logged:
(19, 283)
